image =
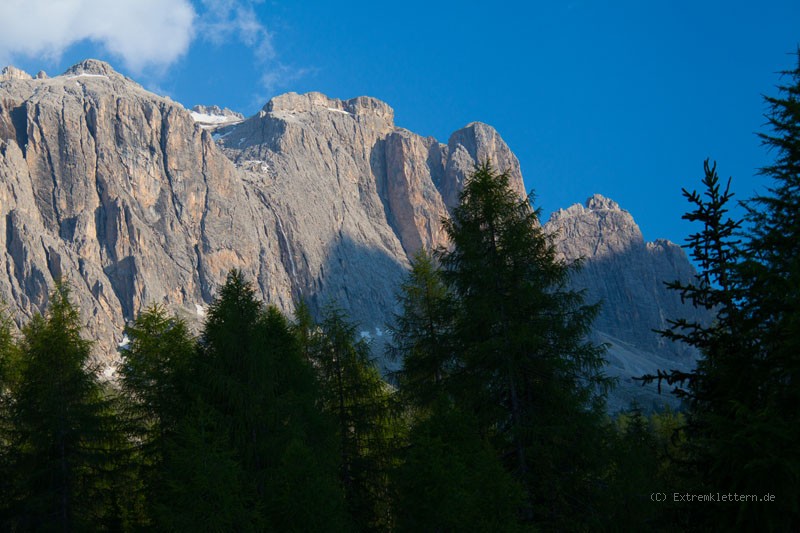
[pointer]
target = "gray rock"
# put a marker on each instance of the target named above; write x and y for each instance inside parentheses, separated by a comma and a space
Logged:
(13, 73)
(123, 194)
(627, 276)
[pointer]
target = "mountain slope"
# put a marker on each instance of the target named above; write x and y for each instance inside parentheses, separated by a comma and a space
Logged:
(627, 275)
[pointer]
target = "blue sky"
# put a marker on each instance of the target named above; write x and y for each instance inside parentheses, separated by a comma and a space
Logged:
(625, 99)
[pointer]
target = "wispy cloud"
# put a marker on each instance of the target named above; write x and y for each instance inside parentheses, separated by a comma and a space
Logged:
(142, 33)
(222, 21)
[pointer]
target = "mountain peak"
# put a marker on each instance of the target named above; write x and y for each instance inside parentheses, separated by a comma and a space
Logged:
(92, 67)
(597, 202)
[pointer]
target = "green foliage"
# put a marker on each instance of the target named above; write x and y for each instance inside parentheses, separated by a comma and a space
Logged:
(64, 447)
(253, 405)
(360, 402)
(743, 425)
(451, 479)
(202, 486)
(422, 335)
(495, 333)
(527, 371)
(644, 451)
(154, 384)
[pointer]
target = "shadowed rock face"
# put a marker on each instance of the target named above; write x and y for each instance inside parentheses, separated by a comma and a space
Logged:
(132, 201)
(627, 276)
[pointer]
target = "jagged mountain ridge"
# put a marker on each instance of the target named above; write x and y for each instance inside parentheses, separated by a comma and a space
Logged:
(135, 201)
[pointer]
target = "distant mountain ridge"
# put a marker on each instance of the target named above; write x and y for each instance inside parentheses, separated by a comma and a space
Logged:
(137, 200)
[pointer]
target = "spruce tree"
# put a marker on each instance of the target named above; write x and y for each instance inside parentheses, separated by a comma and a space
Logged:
(770, 272)
(154, 382)
(742, 427)
(422, 333)
(253, 425)
(8, 367)
(451, 479)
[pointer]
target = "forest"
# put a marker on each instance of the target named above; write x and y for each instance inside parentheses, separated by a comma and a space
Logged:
(495, 421)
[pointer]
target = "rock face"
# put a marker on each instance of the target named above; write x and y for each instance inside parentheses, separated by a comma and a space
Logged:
(134, 200)
(627, 275)
(126, 196)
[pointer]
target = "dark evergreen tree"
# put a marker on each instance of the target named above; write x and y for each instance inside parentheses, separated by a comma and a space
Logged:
(64, 447)
(765, 456)
(451, 479)
(528, 371)
(743, 427)
(155, 381)
(642, 454)
(253, 423)
(422, 335)
(9, 357)
(360, 402)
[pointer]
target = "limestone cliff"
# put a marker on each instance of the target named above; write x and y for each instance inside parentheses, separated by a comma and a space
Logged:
(135, 200)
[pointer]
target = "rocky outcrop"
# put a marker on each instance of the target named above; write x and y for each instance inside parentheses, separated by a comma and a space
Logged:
(627, 276)
(116, 190)
(212, 117)
(13, 73)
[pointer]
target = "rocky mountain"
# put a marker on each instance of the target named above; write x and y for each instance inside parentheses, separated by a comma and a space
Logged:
(136, 200)
(627, 275)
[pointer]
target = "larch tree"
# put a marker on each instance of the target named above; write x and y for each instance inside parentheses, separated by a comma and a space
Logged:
(527, 368)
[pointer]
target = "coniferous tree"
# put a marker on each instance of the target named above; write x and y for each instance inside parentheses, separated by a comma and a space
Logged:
(451, 479)
(64, 445)
(772, 273)
(527, 371)
(360, 402)
(253, 423)
(8, 366)
(154, 381)
(422, 335)
(742, 428)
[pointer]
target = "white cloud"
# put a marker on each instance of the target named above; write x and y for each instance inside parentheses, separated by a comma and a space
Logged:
(143, 33)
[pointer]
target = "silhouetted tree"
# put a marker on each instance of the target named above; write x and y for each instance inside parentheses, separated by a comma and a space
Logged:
(743, 424)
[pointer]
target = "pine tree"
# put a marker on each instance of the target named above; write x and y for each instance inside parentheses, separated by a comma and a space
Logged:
(8, 369)
(154, 381)
(451, 479)
(253, 430)
(770, 425)
(528, 372)
(743, 428)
